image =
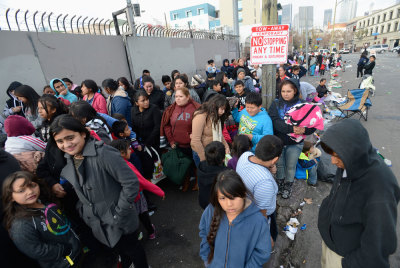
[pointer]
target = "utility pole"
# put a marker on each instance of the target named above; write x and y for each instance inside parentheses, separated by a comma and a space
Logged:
(236, 24)
(307, 40)
(333, 27)
(268, 83)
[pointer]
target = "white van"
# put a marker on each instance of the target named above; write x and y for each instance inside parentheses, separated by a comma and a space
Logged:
(379, 48)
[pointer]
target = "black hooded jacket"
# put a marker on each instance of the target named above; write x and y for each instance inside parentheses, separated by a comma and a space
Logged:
(358, 218)
(146, 125)
(13, 101)
(277, 111)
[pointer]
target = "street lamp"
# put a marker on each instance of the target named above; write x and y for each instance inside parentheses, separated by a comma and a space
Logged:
(333, 27)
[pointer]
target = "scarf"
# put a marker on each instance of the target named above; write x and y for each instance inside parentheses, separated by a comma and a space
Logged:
(217, 132)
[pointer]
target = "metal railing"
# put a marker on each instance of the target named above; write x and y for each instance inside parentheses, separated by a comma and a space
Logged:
(18, 20)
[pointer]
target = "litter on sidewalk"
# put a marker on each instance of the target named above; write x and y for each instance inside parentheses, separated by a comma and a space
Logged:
(291, 228)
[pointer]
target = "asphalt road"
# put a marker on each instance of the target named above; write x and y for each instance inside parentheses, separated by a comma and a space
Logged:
(178, 216)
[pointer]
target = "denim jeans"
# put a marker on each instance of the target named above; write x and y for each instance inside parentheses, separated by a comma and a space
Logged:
(196, 159)
(286, 166)
(312, 175)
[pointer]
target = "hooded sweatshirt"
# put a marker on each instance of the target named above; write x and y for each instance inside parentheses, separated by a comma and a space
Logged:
(13, 101)
(47, 238)
(277, 112)
(120, 103)
(69, 96)
(258, 125)
(246, 242)
(358, 218)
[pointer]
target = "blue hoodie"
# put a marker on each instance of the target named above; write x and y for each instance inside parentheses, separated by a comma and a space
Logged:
(246, 242)
(69, 96)
(258, 125)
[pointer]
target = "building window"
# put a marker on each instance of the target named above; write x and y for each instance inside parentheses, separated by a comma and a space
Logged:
(384, 17)
(398, 13)
(367, 22)
(188, 13)
(377, 20)
(388, 28)
(240, 16)
(373, 21)
(217, 14)
(376, 29)
(382, 28)
(391, 15)
(200, 11)
(396, 24)
(240, 6)
(175, 16)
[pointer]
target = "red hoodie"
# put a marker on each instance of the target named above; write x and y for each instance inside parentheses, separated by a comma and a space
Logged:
(145, 184)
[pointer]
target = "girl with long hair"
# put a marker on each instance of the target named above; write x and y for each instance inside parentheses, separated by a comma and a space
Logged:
(233, 231)
(106, 188)
(180, 81)
(28, 96)
(91, 95)
(37, 226)
(49, 107)
(207, 126)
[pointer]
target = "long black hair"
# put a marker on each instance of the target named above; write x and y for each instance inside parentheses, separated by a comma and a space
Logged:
(111, 84)
(84, 112)
(230, 184)
(67, 121)
(211, 107)
(184, 78)
(241, 144)
(13, 210)
(49, 101)
(30, 94)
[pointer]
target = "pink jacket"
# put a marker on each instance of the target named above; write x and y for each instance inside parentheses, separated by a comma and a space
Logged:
(304, 115)
(99, 103)
(145, 184)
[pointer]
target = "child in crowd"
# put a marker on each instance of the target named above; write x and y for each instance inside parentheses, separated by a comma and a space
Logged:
(61, 90)
(47, 90)
(233, 219)
(13, 104)
(295, 72)
(211, 69)
(27, 149)
(70, 85)
(209, 169)
(254, 121)
(307, 164)
(49, 107)
(210, 79)
(241, 93)
(140, 201)
(215, 88)
(166, 80)
(317, 70)
(344, 66)
(323, 66)
(321, 89)
(37, 226)
(28, 96)
(241, 144)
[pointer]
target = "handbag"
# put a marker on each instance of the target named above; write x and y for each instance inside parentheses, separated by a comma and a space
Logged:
(158, 173)
(176, 164)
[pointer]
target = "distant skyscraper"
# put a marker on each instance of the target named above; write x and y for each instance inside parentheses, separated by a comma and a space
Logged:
(347, 11)
(327, 17)
(287, 14)
(306, 17)
(296, 22)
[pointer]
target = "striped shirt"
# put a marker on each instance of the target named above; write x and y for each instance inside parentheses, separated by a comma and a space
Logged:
(259, 181)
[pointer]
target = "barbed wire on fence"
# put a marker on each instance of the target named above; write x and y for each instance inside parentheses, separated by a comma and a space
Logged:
(37, 21)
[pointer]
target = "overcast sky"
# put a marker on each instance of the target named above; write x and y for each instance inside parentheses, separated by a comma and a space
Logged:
(155, 9)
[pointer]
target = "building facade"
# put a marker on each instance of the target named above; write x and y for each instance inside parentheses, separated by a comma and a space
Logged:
(200, 17)
(286, 14)
(380, 27)
(249, 12)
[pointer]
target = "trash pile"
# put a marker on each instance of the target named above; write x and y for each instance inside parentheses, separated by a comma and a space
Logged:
(293, 224)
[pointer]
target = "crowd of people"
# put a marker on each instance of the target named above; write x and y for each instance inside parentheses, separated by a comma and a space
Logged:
(79, 162)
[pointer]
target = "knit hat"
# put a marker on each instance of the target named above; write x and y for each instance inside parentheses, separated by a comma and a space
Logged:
(16, 125)
(240, 70)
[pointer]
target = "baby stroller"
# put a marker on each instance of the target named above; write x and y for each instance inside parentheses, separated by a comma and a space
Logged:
(367, 82)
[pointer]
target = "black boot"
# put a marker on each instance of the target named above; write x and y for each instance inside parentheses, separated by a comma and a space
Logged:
(280, 185)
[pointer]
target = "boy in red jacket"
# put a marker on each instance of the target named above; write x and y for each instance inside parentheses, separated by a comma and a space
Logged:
(140, 202)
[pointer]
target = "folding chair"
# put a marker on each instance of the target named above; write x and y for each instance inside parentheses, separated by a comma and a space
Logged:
(357, 102)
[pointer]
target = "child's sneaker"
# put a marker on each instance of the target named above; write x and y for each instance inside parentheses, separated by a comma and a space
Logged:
(153, 235)
(287, 190)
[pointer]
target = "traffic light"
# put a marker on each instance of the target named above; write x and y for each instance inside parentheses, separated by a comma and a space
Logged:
(136, 10)
(309, 41)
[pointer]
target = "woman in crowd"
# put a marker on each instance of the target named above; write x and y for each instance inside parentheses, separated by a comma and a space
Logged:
(124, 83)
(156, 96)
(282, 74)
(49, 107)
(288, 97)
(207, 126)
(70, 85)
(176, 124)
(106, 188)
(181, 81)
(226, 68)
(36, 225)
(93, 97)
(241, 64)
(233, 219)
(29, 98)
(13, 105)
(88, 116)
(118, 101)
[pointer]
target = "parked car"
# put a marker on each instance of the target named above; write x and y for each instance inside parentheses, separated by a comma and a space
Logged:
(322, 51)
(344, 51)
(396, 49)
(379, 48)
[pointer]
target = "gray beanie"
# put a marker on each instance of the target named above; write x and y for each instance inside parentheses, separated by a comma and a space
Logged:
(240, 70)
